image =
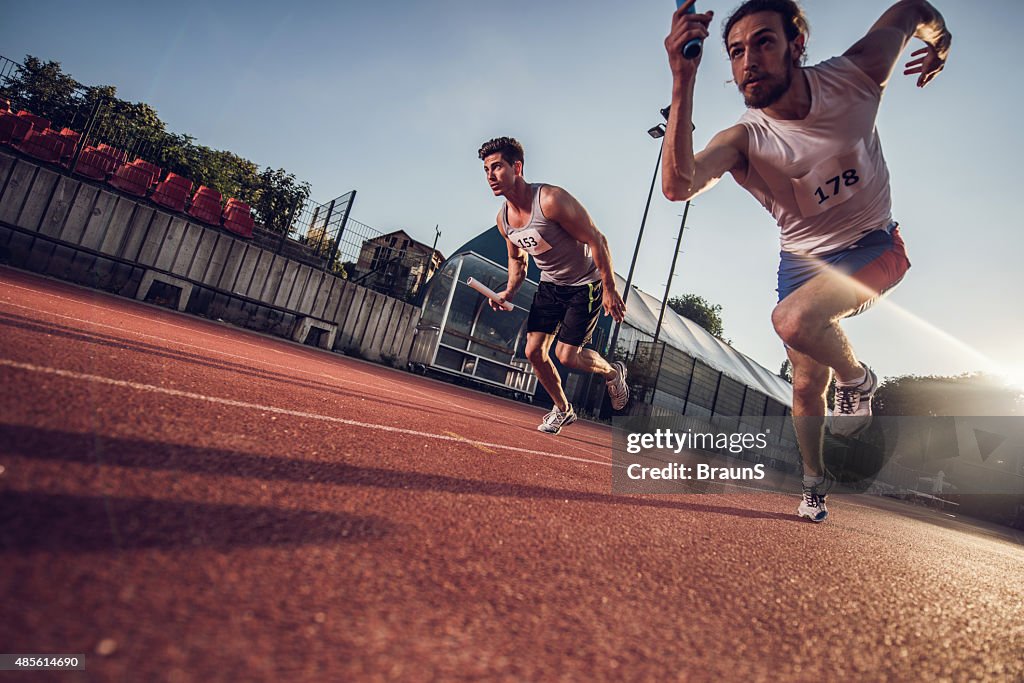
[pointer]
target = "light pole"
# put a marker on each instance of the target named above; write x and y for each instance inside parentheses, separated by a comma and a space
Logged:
(658, 133)
(671, 274)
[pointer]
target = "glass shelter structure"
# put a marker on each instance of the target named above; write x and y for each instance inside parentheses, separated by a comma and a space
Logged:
(460, 334)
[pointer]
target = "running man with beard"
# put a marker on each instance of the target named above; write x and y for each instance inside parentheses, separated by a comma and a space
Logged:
(808, 150)
(576, 280)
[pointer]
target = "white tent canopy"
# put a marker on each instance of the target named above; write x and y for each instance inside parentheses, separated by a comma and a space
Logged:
(687, 336)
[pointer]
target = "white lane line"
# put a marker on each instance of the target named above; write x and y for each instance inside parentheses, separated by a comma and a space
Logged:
(402, 390)
(206, 350)
(98, 379)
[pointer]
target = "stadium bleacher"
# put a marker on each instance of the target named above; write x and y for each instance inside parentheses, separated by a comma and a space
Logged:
(32, 135)
(45, 146)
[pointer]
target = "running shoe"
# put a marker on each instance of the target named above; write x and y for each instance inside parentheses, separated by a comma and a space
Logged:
(851, 411)
(556, 419)
(618, 390)
(813, 504)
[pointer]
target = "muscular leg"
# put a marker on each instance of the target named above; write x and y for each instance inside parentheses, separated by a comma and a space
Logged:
(808, 322)
(537, 346)
(583, 360)
(810, 382)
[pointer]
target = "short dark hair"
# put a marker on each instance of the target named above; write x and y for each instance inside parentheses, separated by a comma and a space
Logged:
(794, 21)
(509, 149)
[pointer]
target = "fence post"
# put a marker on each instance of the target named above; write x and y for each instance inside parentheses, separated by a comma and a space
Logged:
(316, 215)
(341, 230)
(689, 384)
(323, 233)
(291, 219)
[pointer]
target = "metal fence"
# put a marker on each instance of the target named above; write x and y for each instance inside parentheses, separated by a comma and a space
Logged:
(315, 231)
(668, 382)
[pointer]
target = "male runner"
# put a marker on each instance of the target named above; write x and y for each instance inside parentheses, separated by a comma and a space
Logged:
(576, 273)
(807, 149)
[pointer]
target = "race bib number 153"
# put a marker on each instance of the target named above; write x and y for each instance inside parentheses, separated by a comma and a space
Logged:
(530, 241)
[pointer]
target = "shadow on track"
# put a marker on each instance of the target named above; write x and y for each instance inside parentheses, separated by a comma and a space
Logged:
(64, 446)
(65, 523)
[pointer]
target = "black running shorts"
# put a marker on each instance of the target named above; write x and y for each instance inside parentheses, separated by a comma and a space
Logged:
(572, 312)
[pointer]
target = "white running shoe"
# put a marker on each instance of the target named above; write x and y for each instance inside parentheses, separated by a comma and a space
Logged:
(618, 390)
(813, 504)
(556, 419)
(851, 411)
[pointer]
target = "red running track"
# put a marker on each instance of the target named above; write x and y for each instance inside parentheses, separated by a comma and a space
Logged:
(186, 501)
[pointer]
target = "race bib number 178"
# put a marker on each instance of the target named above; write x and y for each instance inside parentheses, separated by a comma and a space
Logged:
(832, 182)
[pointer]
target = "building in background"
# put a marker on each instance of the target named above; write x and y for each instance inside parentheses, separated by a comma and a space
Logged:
(395, 264)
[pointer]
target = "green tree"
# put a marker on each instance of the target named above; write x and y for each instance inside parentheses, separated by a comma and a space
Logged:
(44, 89)
(967, 394)
(117, 120)
(697, 309)
(277, 197)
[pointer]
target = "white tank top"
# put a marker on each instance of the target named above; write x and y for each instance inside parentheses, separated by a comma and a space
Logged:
(823, 177)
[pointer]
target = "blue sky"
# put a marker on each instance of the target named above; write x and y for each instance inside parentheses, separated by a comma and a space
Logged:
(393, 100)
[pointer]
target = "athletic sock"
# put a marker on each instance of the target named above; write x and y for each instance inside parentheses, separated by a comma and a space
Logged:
(811, 482)
(854, 382)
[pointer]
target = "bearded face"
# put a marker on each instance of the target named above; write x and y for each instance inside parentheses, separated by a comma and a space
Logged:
(762, 88)
(762, 58)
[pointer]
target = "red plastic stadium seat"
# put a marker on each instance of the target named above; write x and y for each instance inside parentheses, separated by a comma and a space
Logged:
(180, 181)
(151, 168)
(39, 124)
(131, 179)
(209, 192)
(173, 192)
(170, 197)
(238, 218)
(46, 147)
(92, 163)
(206, 206)
(13, 129)
(71, 138)
(118, 155)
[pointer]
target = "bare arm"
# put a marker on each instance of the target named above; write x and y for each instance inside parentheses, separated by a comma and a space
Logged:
(518, 261)
(684, 174)
(878, 52)
(560, 206)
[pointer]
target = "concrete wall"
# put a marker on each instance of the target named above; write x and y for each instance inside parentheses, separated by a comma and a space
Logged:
(81, 214)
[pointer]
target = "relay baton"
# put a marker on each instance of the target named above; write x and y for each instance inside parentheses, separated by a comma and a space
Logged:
(692, 49)
(489, 293)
